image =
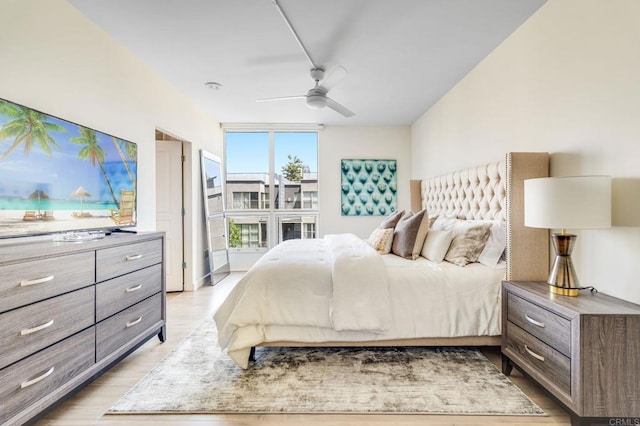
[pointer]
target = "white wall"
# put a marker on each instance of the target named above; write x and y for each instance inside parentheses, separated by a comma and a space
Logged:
(566, 82)
(337, 143)
(57, 61)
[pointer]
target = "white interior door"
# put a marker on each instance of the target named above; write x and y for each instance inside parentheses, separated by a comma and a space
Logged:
(169, 207)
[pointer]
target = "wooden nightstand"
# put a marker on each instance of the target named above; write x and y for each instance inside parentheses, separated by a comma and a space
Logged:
(584, 350)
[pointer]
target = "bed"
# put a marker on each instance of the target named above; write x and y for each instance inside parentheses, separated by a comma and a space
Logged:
(338, 291)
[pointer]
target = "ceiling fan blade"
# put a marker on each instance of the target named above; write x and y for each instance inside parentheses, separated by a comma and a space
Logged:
(282, 98)
(339, 108)
(334, 77)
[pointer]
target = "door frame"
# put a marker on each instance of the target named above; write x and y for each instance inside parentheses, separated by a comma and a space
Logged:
(187, 197)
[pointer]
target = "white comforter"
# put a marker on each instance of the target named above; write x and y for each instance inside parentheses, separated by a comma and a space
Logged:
(339, 289)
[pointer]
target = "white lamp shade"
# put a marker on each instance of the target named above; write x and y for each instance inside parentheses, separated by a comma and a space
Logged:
(572, 202)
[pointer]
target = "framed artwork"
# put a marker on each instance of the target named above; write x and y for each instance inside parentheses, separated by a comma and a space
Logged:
(368, 187)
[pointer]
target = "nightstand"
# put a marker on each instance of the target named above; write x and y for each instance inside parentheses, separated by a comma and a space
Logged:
(583, 350)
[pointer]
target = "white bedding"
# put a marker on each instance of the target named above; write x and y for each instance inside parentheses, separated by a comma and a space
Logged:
(296, 292)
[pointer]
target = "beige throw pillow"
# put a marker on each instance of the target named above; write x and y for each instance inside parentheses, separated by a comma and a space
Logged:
(467, 245)
(436, 245)
(381, 240)
(409, 235)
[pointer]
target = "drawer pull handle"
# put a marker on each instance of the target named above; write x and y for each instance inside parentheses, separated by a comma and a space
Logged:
(533, 354)
(133, 257)
(26, 283)
(37, 379)
(34, 329)
(534, 322)
(134, 322)
(132, 289)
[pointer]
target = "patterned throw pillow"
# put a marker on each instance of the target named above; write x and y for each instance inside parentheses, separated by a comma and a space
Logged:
(381, 240)
(409, 235)
(468, 244)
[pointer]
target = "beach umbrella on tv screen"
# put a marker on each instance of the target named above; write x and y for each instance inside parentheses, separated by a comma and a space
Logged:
(80, 193)
(38, 194)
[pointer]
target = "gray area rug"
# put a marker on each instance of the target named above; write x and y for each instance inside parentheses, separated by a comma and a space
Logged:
(198, 378)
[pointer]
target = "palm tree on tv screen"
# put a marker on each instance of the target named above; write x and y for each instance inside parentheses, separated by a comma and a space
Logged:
(93, 152)
(29, 128)
(128, 154)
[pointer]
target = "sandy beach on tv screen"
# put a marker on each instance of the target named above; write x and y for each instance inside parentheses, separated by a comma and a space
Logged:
(20, 222)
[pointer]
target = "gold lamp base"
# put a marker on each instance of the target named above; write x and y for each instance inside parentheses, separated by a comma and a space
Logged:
(563, 279)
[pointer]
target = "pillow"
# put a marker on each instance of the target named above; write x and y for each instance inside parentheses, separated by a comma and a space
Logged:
(445, 223)
(436, 245)
(381, 239)
(495, 246)
(432, 220)
(409, 235)
(468, 242)
(392, 220)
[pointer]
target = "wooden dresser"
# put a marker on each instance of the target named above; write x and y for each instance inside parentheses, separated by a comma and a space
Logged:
(584, 350)
(70, 310)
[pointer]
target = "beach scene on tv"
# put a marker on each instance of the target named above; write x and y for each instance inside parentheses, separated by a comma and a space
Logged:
(57, 176)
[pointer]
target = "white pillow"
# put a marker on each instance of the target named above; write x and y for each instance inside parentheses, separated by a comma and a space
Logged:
(495, 245)
(436, 245)
(445, 223)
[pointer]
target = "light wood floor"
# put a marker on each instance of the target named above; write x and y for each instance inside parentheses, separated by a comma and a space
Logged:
(185, 312)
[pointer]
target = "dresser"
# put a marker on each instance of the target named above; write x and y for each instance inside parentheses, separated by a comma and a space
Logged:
(71, 310)
(584, 350)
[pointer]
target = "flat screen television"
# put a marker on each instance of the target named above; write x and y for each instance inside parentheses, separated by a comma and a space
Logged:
(59, 177)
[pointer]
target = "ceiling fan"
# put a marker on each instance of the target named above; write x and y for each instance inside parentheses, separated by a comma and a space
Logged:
(316, 98)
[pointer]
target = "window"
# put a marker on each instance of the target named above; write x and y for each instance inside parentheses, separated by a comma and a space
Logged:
(310, 200)
(250, 234)
(245, 200)
(309, 230)
(269, 175)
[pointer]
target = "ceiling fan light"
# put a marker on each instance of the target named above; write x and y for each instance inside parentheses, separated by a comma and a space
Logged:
(316, 101)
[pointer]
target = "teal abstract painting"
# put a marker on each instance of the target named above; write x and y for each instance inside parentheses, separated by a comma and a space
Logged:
(368, 187)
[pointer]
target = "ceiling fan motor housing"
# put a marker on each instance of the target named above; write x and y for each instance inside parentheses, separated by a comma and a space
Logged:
(316, 101)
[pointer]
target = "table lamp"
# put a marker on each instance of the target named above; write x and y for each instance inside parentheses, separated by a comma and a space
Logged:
(574, 202)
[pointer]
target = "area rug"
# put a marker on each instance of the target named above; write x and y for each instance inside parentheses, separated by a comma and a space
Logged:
(198, 378)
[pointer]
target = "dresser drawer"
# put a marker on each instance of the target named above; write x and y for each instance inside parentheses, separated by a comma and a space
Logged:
(549, 363)
(119, 293)
(547, 326)
(36, 376)
(29, 282)
(29, 329)
(122, 328)
(116, 261)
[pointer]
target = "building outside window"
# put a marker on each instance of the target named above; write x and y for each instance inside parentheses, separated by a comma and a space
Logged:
(245, 200)
(310, 200)
(270, 175)
(309, 230)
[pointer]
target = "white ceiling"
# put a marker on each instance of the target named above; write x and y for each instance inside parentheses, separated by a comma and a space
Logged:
(402, 55)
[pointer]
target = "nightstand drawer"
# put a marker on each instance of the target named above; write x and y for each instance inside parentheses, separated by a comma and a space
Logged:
(547, 326)
(547, 362)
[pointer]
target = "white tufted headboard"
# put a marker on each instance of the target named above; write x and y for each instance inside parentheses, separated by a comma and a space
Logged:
(495, 191)
(475, 193)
